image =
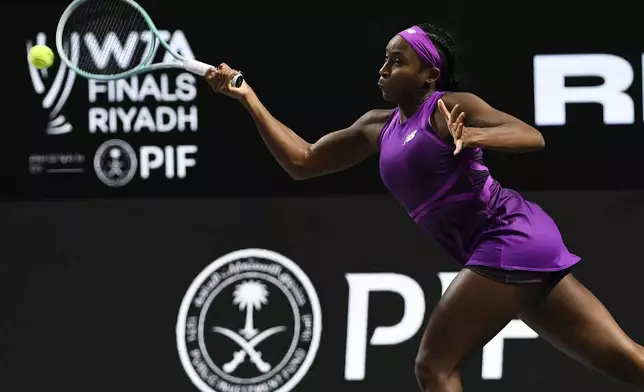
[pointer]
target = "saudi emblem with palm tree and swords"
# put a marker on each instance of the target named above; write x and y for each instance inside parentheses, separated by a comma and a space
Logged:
(249, 296)
(251, 320)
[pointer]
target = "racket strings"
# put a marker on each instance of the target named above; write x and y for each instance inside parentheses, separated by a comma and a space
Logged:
(106, 37)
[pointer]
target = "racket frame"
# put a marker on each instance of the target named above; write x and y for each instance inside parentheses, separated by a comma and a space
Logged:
(194, 66)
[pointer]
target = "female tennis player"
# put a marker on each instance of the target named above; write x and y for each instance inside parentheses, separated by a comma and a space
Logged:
(515, 262)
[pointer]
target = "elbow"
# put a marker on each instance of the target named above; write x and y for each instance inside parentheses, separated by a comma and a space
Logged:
(299, 169)
(539, 142)
(296, 171)
(530, 146)
(298, 175)
(531, 142)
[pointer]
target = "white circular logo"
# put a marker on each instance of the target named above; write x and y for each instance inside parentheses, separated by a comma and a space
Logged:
(115, 163)
(251, 321)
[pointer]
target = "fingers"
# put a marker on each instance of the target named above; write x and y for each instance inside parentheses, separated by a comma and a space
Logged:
(459, 147)
(458, 140)
(455, 123)
(449, 116)
(452, 117)
(220, 78)
(210, 75)
(213, 77)
(460, 119)
(229, 79)
(443, 109)
(457, 133)
(456, 126)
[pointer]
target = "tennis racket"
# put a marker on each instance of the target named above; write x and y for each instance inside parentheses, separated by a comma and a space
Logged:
(87, 27)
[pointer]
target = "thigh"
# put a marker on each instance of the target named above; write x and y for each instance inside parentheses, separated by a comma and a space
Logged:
(472, 311)
(572, 319)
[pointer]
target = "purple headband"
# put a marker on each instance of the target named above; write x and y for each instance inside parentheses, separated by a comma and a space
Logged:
(423, 46)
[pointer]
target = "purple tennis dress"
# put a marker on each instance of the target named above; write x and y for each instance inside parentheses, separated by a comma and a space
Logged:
(456, 201)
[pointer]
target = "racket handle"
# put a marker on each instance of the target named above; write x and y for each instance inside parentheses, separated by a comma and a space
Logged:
(238, 80)
(201, 69)
(196, 67)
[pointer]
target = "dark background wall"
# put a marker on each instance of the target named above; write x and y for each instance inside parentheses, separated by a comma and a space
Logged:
(317, 70)
(92, 276)
(92, 289)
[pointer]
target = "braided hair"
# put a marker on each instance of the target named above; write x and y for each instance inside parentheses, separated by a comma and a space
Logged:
(446, 47)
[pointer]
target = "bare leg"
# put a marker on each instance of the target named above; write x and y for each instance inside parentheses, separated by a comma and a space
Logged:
(573, 320)
(472, 311)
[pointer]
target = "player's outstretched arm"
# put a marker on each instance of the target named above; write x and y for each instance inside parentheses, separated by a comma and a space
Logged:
(334, 152)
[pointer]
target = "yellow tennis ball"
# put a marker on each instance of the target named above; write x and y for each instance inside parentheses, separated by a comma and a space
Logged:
(41, 56)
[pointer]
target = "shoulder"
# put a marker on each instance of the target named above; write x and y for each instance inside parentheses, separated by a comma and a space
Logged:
(464, 99)
(479, 113)
(470, 103)
(375, 117)
(371, 123)
(467, 102)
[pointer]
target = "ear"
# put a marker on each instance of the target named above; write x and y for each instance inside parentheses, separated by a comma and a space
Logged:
(433, 74)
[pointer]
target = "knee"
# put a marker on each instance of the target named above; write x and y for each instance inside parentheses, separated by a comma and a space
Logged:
(432, 373)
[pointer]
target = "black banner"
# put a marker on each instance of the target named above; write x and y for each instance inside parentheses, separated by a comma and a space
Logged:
(277, 294)
(576, 76)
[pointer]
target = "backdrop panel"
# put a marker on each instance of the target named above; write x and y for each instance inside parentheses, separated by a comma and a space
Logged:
(92, 292)
(576, 76)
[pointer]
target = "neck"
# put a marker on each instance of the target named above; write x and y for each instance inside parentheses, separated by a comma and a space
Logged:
(409, 106)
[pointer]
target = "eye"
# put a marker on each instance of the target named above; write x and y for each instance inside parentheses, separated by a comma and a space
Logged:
(394, 61)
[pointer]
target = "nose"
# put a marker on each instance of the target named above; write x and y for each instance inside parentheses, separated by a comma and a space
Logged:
(384, 71)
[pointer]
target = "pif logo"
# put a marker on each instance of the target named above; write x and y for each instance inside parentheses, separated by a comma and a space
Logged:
(116, 162)
(251, 321)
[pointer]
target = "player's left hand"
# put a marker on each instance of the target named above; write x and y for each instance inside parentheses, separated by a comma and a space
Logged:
(455, 125)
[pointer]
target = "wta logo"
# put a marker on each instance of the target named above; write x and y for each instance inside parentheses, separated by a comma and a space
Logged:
(160, 102)
(56, 95)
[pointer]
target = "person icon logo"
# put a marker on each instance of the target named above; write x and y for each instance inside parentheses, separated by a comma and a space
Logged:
(116, 166)
(115, 163)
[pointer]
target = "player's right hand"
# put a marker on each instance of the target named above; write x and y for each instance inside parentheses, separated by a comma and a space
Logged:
(221, 78)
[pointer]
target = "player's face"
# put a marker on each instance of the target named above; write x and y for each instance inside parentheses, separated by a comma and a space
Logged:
(401, 75)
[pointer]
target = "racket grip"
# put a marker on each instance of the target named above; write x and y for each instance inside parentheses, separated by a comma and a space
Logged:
(196, 67)
(201, 69)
